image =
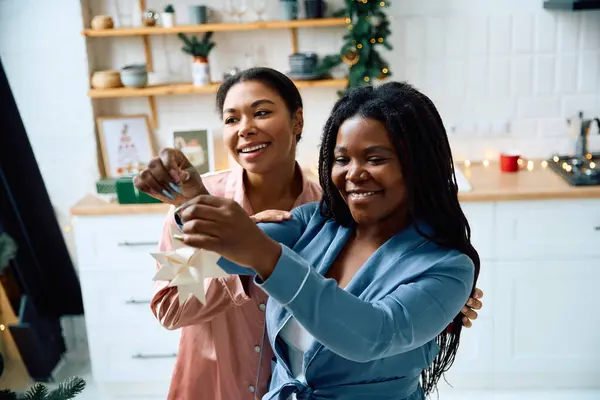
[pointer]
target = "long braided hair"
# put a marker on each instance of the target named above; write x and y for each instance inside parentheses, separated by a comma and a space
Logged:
(418, 135)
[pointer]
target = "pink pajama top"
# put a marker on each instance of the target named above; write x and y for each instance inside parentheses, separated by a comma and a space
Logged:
(224, 353)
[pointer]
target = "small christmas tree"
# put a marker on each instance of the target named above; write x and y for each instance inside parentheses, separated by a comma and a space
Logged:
(65, 391)
(368, 28)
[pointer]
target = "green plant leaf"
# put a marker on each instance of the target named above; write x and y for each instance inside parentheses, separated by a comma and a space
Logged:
(207, 36)
(185, 39)
(339, 13)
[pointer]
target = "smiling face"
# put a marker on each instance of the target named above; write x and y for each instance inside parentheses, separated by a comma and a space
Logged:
(259, 130)
(367, 173)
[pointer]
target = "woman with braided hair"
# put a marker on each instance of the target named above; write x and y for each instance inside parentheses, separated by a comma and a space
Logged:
(224, 353)
(366, 287)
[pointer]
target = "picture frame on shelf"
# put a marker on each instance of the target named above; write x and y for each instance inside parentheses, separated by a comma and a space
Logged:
(125, 143)
(198, 147)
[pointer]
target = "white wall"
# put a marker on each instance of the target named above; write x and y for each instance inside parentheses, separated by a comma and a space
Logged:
(483, 62)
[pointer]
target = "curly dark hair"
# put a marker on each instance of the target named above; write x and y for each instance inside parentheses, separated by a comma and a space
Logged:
(269, 77)
(419, 137)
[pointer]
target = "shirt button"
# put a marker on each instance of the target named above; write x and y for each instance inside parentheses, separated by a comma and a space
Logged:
(251, 389)
(262, 307)
(257, 349)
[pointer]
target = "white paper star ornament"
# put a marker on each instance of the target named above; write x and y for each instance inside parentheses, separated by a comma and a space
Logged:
(186, 268)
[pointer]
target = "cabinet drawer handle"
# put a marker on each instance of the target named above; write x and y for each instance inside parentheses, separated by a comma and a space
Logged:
(134, 301)
(133, 244)
(141, 356)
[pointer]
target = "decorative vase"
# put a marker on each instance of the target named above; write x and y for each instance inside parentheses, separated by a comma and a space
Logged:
(289, 9)
(200, 71)
(168, 20)
(100, 22)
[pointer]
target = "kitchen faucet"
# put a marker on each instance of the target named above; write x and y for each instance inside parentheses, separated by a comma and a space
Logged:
(581, 146)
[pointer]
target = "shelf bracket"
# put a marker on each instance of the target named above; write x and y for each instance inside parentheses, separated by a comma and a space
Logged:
(294, 36)
(153, 113)
(149, 68)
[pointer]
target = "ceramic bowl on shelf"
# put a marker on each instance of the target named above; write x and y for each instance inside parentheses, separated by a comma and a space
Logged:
(100, 22)
(135, 75)
(106, 79)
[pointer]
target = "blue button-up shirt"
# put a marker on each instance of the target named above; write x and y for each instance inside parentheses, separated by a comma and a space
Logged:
(373, 338)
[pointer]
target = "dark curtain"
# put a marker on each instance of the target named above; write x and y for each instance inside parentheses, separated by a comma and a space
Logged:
(43, 265)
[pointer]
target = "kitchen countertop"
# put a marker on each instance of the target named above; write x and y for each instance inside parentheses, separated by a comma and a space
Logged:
(488, 184)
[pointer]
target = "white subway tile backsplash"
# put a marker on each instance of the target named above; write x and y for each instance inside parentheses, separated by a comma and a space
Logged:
(544, 75)
(499, 81)
(522, 75)
(545, 32)
(414, 73)
(524, 128)
(478, 78)
(456, 78)
(434, 78)
(522, 35)
(566, 78)
(436, 37)
(538, 107)
(588, 103)
(590, 26)
(568, 32)
(477, 35)
(500, 34)
(589, 71)
(456, 37)
(414, 36)
(553, 127)
(495, 110)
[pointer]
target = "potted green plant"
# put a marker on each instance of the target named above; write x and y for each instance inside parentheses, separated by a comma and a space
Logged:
(168, 16)
(65, 391)
(199, 50)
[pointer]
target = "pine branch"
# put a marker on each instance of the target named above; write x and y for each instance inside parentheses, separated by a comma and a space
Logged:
(68, 389)
(6, 394)
(36, 392)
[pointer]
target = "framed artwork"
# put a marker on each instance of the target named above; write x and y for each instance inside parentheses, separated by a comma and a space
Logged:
(198, 147)
(125, 143)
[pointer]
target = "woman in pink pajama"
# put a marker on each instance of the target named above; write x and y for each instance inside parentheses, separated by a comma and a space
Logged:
(224, 353)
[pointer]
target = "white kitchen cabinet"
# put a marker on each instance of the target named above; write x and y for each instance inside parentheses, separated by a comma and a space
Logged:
(547, 272)
(474, 363)
(481, 221)
(539, 326)
(546, 230)
(546, 332)
(540, 265)
(131, 353)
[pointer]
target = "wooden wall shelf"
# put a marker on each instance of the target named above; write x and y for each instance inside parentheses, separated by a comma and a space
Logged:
(220, 27)
(145, 33)
(188, 88)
